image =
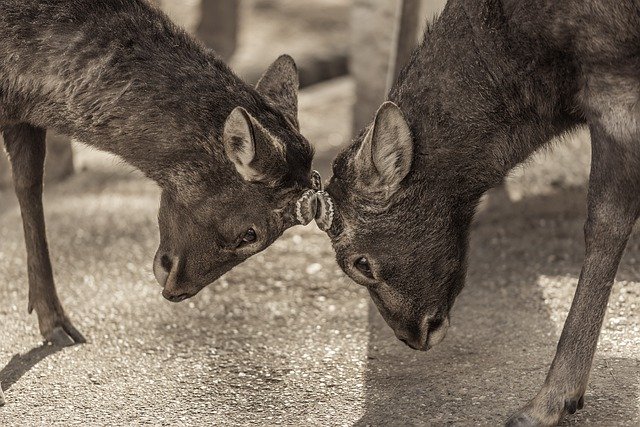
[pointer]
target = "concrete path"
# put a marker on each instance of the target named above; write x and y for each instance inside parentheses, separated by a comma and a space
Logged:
(286, 338)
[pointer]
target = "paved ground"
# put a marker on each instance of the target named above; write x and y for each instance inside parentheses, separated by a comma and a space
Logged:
(285, 338)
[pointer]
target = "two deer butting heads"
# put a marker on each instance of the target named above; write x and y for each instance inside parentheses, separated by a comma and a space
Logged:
(270, 187)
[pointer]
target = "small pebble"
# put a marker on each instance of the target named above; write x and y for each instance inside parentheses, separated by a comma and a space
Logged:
(314, 268)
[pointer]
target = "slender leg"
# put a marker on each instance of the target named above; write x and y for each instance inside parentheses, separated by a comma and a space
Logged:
(613, 207)
(26, 147)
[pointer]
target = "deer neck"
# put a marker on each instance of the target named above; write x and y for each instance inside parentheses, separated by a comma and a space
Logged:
(481, 98)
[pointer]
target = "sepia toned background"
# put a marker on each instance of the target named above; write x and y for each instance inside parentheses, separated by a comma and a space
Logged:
(285, 338)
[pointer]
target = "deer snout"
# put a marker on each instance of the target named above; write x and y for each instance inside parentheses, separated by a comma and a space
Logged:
(431, 332)
(166, 268)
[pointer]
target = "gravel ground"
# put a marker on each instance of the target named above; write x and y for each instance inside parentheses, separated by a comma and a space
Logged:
(286, 338)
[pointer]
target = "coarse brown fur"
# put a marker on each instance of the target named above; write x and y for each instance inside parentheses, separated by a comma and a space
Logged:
(493, 82)
(119, 76)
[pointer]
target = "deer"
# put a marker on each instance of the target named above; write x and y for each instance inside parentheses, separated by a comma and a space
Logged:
(492, 82)
(118, 75)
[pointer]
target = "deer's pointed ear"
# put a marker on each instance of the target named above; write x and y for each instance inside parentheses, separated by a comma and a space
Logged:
(279, 84)
(255, 154)
(386, 154)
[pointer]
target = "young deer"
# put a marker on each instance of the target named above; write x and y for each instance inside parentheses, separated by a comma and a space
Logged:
(118, 75)
(492, 82)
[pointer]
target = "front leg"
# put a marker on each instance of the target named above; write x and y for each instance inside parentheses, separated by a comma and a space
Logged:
(613, 207)
(26, 147)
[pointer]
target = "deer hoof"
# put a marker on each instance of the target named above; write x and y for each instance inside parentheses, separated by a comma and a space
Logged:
(64, 335)
(521, 420)
(573, 405)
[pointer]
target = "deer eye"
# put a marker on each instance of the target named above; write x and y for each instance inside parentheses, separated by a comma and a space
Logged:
(362, 264)
(249, 237)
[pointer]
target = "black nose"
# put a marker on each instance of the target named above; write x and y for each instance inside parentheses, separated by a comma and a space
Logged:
(407, 343)
(165, 263)
(178, 298)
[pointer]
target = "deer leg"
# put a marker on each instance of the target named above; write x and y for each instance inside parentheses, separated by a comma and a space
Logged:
(613, 207)
(26, 147)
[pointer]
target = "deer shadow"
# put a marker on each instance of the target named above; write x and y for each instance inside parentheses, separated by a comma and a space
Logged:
(502, 338)
(20, 364)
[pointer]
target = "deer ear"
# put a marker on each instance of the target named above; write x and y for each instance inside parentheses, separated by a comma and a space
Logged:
(385, 156)
(279, 84)
(255, 154)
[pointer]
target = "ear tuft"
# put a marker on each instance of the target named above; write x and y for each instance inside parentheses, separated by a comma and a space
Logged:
(386, 154)
(279, 84)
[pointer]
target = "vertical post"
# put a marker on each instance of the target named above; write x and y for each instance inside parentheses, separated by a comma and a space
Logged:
(218, 27)
(5, 171)
(59, 160)
(406, 35)
(384, 33)
(214, 22)
(372, 28)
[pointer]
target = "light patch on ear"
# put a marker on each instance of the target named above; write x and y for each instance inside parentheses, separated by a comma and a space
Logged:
(386, 154)
(239, 143)
(252, 149)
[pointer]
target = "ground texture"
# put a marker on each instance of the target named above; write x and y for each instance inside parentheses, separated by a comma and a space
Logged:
(286, 338)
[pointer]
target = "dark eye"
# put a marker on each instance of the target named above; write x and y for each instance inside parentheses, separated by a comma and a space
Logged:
(249, 237)
(362, 264)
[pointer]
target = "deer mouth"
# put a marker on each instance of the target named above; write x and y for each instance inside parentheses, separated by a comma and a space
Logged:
(178, 296)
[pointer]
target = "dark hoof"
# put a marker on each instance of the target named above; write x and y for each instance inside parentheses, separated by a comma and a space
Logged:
(521, 420)
(581, 402)
(64, 335)
(2, 401)
(572, 405)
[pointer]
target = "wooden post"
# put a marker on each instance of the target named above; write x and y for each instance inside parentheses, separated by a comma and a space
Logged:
(384, 33)
(372, 28)
(5, 170)
(58, 164)
(214, 22)
(408, 20)
(218, 27)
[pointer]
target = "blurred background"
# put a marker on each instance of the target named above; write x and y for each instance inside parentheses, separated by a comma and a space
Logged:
(286, 338)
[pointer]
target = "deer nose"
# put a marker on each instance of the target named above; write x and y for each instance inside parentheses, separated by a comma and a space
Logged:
(409, 339)
(431, 331)
(176, 298)
(162, 266)
(166, 269)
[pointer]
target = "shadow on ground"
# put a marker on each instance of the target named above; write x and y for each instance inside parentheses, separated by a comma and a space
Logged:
(20, 364)
(502, 338)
